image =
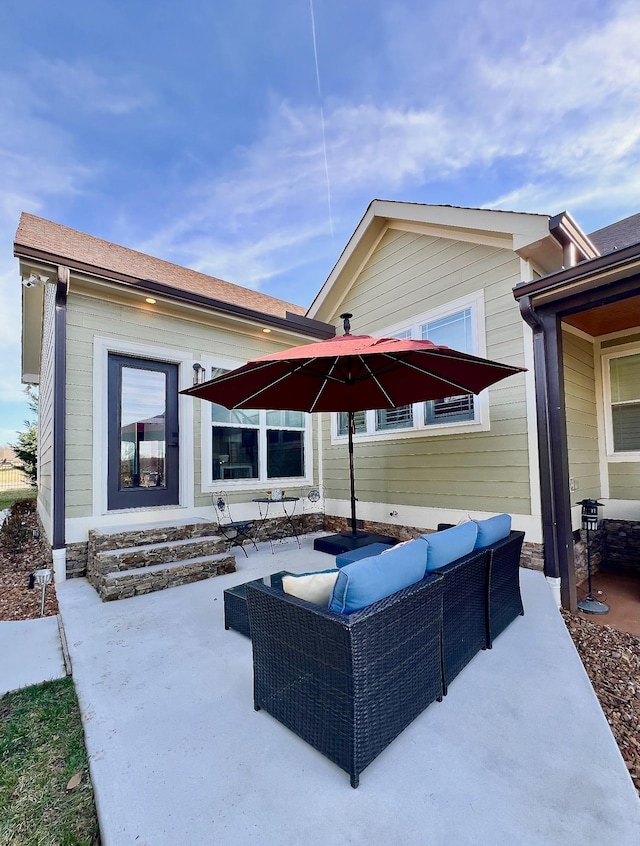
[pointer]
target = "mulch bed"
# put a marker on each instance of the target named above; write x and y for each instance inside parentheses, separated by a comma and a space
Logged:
(20, 555)
(611, 658)
(612, 661)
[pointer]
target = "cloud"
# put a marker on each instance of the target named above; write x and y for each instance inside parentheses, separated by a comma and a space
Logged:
(559, 114)
(81, 86)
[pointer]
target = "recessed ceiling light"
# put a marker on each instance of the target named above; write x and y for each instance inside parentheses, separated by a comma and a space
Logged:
(266, 331)
(150, 300)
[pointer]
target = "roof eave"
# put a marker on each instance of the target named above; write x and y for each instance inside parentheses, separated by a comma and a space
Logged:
(291, 322)
(595, 272)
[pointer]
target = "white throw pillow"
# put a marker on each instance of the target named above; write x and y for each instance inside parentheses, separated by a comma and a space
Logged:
(313, 587)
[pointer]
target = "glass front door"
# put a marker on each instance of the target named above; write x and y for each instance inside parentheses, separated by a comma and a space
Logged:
(143, 460)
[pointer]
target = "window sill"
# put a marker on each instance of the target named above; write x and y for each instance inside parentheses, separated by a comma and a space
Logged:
(428, 431)
(623, 457)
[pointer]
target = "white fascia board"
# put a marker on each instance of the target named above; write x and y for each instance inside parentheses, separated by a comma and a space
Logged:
(510, 230)
(345, 259)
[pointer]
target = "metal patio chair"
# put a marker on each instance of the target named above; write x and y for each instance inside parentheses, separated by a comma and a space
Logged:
(236, 532)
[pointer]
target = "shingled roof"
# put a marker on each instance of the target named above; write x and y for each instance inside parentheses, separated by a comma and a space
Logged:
(622, 233)
(48, 241)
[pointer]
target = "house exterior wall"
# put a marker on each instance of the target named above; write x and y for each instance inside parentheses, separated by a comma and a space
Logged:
(582, 419)
(122, 324)
(410, 274)
(45, 413)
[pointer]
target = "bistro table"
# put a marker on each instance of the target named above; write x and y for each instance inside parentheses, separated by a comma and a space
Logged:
(281, 532)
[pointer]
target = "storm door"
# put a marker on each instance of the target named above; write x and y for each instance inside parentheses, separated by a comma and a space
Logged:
(143, 453)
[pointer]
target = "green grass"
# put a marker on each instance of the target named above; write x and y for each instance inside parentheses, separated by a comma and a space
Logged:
(41, 748)
(8, 497)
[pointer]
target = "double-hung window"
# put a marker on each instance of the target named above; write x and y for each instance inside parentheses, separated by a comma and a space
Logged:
(455, 331)
(459, 327)
(622, 374)
(256, 444)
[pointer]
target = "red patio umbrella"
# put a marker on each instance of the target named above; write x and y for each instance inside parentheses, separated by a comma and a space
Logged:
(352, 373)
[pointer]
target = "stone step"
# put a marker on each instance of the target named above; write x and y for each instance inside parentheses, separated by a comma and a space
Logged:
(146, 555)
(122, 585)
(143, 534)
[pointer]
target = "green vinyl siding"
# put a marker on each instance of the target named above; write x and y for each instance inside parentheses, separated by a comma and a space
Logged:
(582, 422)
(624, 480)
(88, 317)
(408, 275)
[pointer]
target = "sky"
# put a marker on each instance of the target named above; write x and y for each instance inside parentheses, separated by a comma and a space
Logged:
(207, 134)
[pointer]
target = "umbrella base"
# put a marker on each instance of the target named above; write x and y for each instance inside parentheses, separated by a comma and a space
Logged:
(346, 541)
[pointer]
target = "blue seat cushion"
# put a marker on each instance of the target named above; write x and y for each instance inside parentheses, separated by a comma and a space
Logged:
(492, 530)
(361, 552)
(445, 546)
(366, 581)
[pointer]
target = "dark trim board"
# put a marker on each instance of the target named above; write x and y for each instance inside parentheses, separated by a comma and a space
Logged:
(60, 409)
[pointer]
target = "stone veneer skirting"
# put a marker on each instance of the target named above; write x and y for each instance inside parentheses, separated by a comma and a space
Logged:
(620, 546)
(77, 554)
(532, 556)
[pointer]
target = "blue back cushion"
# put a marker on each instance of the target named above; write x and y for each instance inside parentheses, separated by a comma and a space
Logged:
(492, 530)
(444, 547)
(370, 579)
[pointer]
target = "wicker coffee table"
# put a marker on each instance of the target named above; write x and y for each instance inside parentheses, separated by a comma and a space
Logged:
(236, 615)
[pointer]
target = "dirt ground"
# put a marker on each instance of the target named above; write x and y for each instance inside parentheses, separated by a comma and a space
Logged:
(611, 658)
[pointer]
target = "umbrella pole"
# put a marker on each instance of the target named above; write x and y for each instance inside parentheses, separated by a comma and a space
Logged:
(352, 424)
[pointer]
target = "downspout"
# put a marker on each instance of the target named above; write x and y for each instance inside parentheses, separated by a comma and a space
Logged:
(556, 520)
(59, 425)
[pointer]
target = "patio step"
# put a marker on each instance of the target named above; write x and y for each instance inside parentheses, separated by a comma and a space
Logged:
(124, 537)
(127, 561)
(146, 555)
(128, 583)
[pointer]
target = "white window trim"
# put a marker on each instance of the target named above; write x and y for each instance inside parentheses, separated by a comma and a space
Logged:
(420, 429)
(611, 456)
(102, 347)
(208, 485)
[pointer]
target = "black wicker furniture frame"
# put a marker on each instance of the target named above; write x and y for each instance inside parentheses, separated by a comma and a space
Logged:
(347, 684)
(464, 618)
(504, 600)
(236, 613)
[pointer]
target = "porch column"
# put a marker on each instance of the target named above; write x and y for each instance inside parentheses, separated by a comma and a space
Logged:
(553, 454)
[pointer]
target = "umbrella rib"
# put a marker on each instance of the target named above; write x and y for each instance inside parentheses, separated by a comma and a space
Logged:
(328, 377)
(377, 381)
(427, 372)
(305, 363)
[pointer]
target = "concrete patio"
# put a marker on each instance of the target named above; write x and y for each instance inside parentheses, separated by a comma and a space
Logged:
(519, 752)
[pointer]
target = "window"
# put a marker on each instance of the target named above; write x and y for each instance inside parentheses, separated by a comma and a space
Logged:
(624, 385)
(256, 444)
(454, 331)
(359, 419)
(455, 327)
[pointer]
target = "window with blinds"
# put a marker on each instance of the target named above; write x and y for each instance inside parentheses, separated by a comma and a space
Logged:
(457, 329)
(624, 381)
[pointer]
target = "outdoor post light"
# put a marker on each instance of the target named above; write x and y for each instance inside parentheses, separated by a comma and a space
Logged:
(590, 523)
(43, 578)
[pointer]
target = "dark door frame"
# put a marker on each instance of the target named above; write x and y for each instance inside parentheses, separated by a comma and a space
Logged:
(140, 497)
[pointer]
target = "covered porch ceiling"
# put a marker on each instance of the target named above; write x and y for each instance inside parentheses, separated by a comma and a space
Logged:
(610, 317)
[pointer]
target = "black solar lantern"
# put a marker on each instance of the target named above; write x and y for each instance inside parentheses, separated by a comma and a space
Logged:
(589, 515)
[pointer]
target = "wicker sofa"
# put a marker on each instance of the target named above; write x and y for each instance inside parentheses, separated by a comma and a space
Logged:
(480, 597)
(348, 684)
